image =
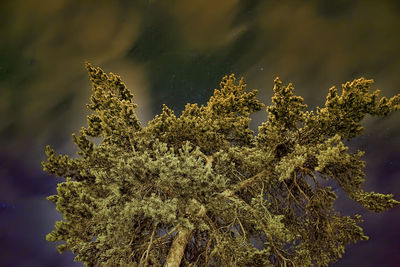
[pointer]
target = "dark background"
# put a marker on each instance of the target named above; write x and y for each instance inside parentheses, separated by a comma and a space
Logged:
(175, 52)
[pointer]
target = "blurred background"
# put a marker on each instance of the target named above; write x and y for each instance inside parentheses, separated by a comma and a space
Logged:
(175, 52)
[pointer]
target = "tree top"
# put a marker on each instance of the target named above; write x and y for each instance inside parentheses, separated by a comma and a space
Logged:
(198, 189)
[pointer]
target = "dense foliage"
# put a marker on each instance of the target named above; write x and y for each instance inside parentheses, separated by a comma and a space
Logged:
(199, 190)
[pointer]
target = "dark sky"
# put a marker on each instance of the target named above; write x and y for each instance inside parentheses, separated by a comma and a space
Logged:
(175, 52)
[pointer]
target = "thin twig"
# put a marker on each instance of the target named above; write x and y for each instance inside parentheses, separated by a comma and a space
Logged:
(148, 247)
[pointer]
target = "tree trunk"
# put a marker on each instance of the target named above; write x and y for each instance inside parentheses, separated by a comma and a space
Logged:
(178, 246)
(181, 239)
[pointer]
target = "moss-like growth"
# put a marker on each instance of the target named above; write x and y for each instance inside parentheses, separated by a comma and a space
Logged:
(197, 189)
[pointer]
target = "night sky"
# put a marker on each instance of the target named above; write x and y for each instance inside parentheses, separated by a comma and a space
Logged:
(175, 52)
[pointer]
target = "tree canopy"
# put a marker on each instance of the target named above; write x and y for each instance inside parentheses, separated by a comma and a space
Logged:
(199, 189)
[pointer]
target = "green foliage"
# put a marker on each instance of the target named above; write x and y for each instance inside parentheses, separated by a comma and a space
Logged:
(205, 175)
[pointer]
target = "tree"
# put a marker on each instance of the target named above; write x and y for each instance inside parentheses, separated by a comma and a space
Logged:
(198, 189)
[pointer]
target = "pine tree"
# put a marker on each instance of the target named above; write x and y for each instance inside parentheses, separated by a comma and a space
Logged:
(195, 190)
